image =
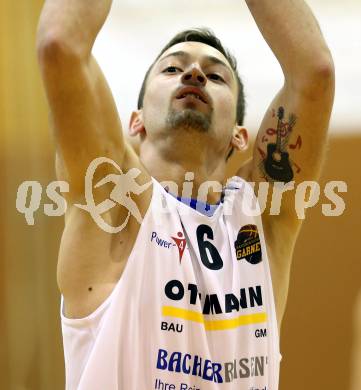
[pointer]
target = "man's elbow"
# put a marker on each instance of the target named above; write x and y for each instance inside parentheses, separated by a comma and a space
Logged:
(324, 70)
(55, 49)
(319, 80)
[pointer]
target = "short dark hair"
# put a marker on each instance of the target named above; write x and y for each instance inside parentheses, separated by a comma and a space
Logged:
(206, 36)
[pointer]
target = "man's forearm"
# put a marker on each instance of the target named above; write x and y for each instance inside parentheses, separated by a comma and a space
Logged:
(75, 23)
(294, 36)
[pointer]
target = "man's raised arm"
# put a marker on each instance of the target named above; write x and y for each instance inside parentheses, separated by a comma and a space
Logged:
(291, 140)
(294, 36)
(83, 113)
(292, 137)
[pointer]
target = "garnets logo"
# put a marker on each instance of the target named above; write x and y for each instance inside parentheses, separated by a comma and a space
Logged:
(248, 245)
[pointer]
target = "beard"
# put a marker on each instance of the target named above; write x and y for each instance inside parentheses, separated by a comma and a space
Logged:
(189, 119)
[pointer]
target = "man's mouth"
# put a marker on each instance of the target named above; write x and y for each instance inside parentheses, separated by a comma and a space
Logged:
(192, 92)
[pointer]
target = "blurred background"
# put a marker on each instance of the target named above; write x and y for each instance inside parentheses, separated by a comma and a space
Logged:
(321, 334)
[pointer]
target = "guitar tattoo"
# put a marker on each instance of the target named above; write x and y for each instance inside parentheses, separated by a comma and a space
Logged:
(277, 164)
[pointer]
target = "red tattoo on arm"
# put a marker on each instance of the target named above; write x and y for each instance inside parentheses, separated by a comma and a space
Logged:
(298, 143)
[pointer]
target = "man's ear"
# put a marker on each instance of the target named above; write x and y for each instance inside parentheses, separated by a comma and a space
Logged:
(239, 139)
(136, 123)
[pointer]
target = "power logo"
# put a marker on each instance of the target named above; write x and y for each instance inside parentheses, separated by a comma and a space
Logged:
(181, 244)
(248, 244)
(160, 241)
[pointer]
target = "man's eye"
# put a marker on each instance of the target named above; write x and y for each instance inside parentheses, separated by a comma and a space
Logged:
(216, 77)
(171, 69)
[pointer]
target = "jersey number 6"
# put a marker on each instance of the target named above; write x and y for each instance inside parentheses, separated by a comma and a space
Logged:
(215, 262)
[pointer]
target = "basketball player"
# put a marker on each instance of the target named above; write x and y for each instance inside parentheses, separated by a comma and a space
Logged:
(189, 298)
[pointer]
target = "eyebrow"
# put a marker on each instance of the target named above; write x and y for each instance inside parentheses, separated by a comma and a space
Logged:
(209, 58)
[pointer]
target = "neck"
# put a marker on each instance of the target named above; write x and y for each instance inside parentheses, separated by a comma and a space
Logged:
(186, 170)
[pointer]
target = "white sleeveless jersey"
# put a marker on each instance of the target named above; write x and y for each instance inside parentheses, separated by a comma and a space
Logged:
(193, 309)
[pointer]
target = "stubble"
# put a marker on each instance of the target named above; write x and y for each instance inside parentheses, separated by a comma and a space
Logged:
(189, 119)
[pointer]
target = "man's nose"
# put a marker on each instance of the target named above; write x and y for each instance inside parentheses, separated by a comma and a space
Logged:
(194, 76)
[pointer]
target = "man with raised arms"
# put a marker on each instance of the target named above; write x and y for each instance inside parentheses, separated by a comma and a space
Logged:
(125, 320)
